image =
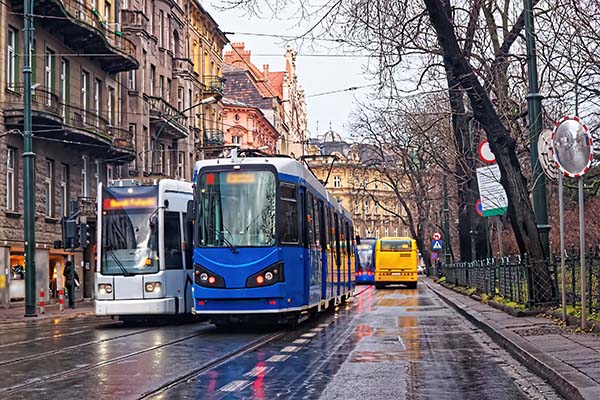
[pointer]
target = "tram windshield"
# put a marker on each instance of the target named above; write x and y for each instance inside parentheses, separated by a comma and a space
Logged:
(129, 230)
(237, 209)
(365, 256)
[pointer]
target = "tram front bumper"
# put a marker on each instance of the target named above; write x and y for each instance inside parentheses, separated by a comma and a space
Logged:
(135, 307)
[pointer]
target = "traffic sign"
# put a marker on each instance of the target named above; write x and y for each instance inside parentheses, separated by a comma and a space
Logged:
(493, 197)
(436, 245)
(479, 207)
(434, 256)
(485, 152)
(436, 236)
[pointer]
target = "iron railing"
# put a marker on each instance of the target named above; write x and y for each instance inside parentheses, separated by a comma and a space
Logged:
(515, 278)
(213, 84)
(213, 137)
(573, 277)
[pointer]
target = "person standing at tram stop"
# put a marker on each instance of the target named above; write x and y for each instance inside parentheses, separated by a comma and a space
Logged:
(71, 281)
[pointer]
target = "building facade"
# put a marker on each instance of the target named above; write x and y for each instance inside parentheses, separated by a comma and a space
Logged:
(248, 127)
(344, 169)
(277, 94)
(125, 89)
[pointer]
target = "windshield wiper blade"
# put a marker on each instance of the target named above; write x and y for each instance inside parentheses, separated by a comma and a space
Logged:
(227, 242)
(117, 261)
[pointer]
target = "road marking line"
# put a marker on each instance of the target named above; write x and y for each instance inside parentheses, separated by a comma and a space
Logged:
(401, 343)
(309, 334)
(316, 329)
(278, 358)
(301, 341)
(290, 349)
(235, 386)
(258, 370)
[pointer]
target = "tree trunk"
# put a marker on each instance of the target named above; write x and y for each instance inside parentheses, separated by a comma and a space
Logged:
(502, 145)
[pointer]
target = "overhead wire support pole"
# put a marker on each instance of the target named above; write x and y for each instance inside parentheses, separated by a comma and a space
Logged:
(28, 166)
(534, 111)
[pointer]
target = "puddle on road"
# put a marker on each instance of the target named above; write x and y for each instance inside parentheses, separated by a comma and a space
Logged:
(376, 356)
(425, 308)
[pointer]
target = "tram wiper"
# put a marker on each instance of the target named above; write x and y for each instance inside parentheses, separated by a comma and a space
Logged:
(117, 261)
(227, 242)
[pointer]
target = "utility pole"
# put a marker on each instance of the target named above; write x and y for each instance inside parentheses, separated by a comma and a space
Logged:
(28, 165)
(534, 107)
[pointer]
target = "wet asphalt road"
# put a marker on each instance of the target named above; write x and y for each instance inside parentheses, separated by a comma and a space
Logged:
(385, 344)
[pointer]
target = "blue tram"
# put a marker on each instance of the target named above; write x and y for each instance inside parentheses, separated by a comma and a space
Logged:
(271, 243)
(365, 261)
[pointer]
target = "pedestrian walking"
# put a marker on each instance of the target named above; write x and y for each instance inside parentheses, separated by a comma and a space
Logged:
(71, 281)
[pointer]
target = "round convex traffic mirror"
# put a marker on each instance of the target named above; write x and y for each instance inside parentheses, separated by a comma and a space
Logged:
(572, 147)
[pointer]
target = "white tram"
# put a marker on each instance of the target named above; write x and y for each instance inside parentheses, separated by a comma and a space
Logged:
(144, 249)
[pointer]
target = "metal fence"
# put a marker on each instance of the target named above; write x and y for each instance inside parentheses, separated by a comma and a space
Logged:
(515, 278)
(573, 277)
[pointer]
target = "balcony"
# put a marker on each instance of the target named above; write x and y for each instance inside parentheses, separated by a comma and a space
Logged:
(164, 114)
(183, 67)
(213, 85)
(213, 138)
(83, 30)
(54, 120)
(134, 20)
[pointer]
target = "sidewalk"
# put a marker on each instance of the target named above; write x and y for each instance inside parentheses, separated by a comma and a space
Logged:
(567, 360)
(82, 309)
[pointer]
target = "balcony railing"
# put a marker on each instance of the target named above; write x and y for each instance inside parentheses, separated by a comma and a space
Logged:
(163, 112)
(213, 137)
(213, 84)
(79, 11)
(42, 100)
(182, 66)
(134, 19)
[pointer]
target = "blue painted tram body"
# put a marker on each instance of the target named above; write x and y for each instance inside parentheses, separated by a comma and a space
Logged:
(271, 243)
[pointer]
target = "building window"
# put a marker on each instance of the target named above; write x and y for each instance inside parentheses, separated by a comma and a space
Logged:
(236, 140)
(64, 85)
(11, 72)
(110, 173)
(97, 99)
(180, 164)
(377, 233)
(111, 106)
(168, 93)
(106, 13)
(85, 78)
(180, 99)
(64, 189)
(395, 232)
(161, 86)
(152, 79)
(84, 177)
(366, 207)
(376, 209)
(97, 172)
(49, 184)
(146, 152)
(161, 17)
(131, 80)
(337, 182)
(48, 75)
(161, 152)
(133, 132)
(11, 189)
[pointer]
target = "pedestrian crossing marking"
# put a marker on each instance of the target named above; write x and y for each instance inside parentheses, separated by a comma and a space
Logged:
(290, 349)
(235, 386)
(278, 358)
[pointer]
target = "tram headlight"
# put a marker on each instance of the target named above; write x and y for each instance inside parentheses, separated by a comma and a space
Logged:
(204, 277)
(152, 287)
(268, 276)
(104, 288)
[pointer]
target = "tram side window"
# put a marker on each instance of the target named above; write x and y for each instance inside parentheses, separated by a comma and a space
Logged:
(338, 256)
(188, 236)
(288, 216)
(317, 222)
(322, 226)
(172, 240)
(310, 221)
(348, 247)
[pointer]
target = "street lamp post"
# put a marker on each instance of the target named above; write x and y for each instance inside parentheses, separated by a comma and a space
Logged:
(28, 165)
(534, 111)
(208, 100)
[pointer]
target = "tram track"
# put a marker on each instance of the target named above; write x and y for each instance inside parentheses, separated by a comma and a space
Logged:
(9, 390)
(189, 376)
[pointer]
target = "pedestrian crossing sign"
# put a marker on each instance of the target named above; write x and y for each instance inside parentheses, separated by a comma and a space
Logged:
(436, 245)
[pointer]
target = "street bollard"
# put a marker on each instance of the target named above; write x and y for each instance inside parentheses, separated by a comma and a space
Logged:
(42, 301)
(61, 300)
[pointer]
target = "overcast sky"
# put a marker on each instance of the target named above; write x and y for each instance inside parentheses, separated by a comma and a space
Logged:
(316, 74)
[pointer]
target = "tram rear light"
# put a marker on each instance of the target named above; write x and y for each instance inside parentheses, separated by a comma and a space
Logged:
(211, 280)
(272, 302)
(260, 280)
(200, 303)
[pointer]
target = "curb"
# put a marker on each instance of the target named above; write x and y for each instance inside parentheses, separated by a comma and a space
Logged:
(566, 380)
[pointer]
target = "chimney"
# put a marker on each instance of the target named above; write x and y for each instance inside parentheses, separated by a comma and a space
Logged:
(266, 71)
